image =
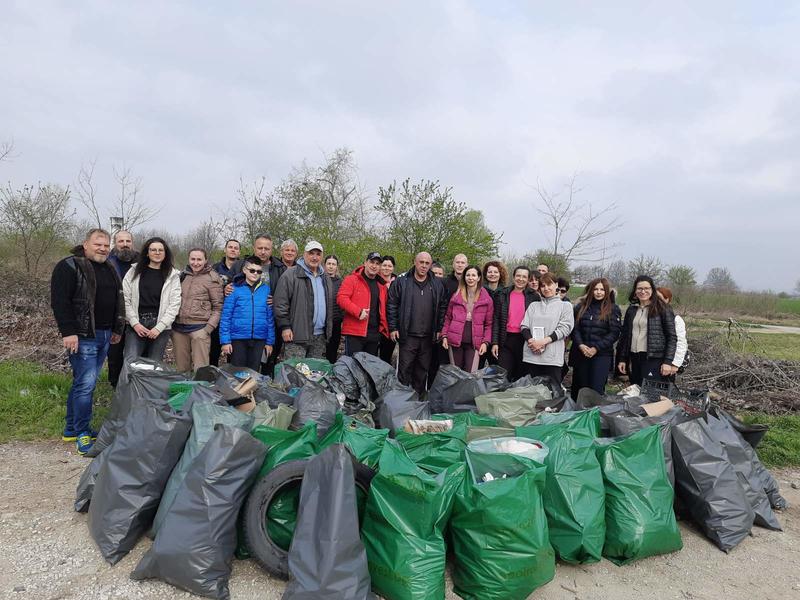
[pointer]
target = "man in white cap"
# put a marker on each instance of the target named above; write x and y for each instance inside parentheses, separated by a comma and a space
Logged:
(303, 306)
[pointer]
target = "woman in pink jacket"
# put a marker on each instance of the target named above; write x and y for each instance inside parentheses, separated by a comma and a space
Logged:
(467, 330)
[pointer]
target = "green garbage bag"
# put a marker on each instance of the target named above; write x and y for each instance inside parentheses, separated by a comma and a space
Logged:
(574, 494)
(279, 418)
(513, 407)
(364, 442)
(435, 452)
(407, 510)
(470, 419)
(483, 433)
(315, 364)
(499, 529)
(640, 521)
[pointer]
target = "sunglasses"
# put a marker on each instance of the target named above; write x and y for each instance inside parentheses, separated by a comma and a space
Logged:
(255, 271)
(562, 290)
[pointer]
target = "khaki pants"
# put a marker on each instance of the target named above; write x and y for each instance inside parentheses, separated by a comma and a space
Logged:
(191, 349)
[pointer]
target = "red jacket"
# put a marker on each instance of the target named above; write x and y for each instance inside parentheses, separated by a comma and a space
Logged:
(456, 319)
(354, 296)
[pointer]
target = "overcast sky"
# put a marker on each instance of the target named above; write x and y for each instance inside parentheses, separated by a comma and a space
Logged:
(686, 114)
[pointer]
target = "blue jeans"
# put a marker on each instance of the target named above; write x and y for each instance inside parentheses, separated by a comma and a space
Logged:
(86, 364)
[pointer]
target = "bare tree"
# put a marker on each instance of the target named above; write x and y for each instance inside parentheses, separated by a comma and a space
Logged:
(37, 219)
(646, 265)
(128, 203)
(6, 150)
(578, 231)
(211, 233)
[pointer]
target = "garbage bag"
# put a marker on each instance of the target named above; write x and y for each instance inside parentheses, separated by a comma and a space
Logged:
(467, 418)
(407, 510)
(734, 446)
(499, 529)
(640, 521)
(435, 452)
(283, 445)
(454, 390)
(273, 397)
(320, 370)
(752, 434)
(132, 479)
(287, 377)
(765, 477)
(380, 373)
(83, 494)
(708, 485)
(194, 547)
(365, 443)
(399, 403)
(624, 424)
(514, 407)
(354, 383)
(479, 432)
(574, 494)
(279, 417)
(315, 404)
(327, 560)
(141, 378)
(558, 395)
(205, 418)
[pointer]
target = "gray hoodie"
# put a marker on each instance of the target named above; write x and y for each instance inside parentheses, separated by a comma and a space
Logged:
(556, 318)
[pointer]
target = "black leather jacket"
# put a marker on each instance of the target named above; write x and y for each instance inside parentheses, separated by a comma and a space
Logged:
(501, 300)
(398, 304)
(661, 337)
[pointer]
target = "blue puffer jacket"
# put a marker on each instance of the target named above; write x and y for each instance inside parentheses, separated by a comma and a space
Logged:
(246, 315)
(594, 332)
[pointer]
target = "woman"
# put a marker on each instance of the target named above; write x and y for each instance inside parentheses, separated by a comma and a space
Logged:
(544, 328)
(467, 329)
(152, 289)
(247, 327)
(682, 346)
(386, 348)
(495, 276)
(198, 317)
(332, 269)
(648, 342)
(510, 305)
(533, 282)
(598, 322)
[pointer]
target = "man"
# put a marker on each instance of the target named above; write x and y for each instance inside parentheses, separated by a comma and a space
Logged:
(225, 267)
(122, 256)
(415, 312)
(289, 252)
(303, 306)
(451, 281)
(362, 298)
(437, 269)
(542, 269)
(89, 309)
(563, 288)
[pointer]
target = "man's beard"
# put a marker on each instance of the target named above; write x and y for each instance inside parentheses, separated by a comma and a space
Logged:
(126, 254)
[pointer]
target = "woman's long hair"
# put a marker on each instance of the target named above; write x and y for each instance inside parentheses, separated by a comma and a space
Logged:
(462, 283)
(606, 304)
(657, 305)
(144, 258)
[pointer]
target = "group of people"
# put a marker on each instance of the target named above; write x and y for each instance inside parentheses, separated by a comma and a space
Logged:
(125, 304)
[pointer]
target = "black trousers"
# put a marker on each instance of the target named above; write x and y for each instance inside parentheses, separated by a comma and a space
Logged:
(554, 372)
(115, 360)
(354, 343)
(215, 351)
(386, 349)
(414, 361)
(510, 355)
(589, 372)
(644, 368)
(332, 348)
(247, 353)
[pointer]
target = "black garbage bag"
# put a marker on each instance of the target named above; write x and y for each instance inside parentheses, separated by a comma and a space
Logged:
(272, 395)
(130, 483)
(558, 395)
(454, 390)
(315, 403)
(708, 485)
(287, 377)
(83, 495)
(765, 477)
(327, 560)
(194, 548)
(380, 372)
(622, 424)
(224, 380)
(734, 446)
(752, 434)
(398, 405)
(355, 383)
(140, 378)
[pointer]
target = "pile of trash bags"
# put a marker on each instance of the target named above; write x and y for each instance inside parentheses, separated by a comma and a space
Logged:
(348, 483)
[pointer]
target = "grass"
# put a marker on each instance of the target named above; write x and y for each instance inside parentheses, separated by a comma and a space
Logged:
(777, 346)
(789, 306)
(33, 402)
(781, 445)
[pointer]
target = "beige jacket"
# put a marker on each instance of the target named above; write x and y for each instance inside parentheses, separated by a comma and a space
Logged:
(201, 299)
(170, 299)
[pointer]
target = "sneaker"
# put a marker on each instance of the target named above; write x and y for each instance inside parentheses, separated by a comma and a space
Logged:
(84, 443)
(72, 436)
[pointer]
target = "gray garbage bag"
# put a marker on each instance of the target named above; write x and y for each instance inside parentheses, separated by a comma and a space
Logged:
(734, 446)
(454, 390)
(398, 405)
(132, 478)
(272, 396)
(205, 418)
(315, 403)
(356, 383)
(765, 477)
(622, 424)
(558, 395)
(279, 417)
(380, 372)
(194, 547)
(515, 406)
(83, 495)
(752, 434)
(140, 378)
(709, 486)
(327, 560)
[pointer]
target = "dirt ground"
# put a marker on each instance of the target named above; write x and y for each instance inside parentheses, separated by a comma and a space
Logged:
(46, 552)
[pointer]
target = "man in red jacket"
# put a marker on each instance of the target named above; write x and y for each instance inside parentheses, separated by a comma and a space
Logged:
(362, 298)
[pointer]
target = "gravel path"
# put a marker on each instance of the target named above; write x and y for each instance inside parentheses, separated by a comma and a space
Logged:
(46, 552)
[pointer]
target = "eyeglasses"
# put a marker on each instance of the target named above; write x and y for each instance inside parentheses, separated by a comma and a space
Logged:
(644, 289)
(562, 290)
(255, 271)
(155, 250)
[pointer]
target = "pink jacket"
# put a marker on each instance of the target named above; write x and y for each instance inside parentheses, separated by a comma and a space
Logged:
(456, 318)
